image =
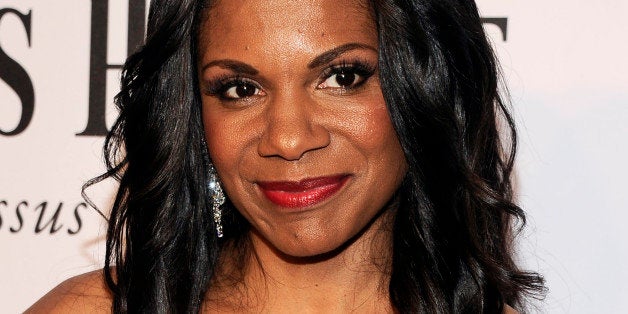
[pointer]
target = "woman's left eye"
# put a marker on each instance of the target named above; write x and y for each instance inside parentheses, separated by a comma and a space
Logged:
(344, 78)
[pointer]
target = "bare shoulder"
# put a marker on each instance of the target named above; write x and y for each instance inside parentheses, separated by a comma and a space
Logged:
(86, 293)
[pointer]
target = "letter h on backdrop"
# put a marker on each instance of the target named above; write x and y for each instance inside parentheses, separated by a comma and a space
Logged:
(98, 64)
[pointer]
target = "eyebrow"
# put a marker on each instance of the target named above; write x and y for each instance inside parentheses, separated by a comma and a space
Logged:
(322, 59)
(332, 54)
(233, 65)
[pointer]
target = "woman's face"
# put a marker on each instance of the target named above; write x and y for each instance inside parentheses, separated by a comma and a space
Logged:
(295, 120)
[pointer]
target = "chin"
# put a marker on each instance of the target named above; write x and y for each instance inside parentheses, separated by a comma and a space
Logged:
(313, 247)
(304, 245)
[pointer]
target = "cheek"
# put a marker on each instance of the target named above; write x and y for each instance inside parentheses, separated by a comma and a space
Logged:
(371, 128)
(375, 136)
(225, 140)
(217, 135)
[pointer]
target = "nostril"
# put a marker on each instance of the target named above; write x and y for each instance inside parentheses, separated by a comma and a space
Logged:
(291, 140)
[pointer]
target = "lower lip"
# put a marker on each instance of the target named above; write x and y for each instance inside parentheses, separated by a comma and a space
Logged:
(302, 194)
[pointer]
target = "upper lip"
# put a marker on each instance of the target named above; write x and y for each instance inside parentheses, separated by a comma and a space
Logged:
(301, 185)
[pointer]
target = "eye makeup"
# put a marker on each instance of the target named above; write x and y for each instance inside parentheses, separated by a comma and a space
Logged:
(349, 75)
(221, 87)
(358, 70)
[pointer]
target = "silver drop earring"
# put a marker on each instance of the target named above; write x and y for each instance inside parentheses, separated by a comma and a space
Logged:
(218, 198)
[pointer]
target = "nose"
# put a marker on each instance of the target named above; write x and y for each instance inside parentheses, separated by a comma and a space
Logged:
(292, 128)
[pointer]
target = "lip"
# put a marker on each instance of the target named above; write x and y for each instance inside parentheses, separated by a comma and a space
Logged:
(304, 193)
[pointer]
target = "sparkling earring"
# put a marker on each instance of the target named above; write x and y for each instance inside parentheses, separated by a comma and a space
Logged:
(218, 198)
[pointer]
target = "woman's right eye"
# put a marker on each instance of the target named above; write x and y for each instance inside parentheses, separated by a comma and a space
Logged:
(233, 88)
(240, 90)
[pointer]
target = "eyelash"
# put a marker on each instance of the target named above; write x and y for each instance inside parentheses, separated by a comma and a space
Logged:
(359, 67)
(218, 87)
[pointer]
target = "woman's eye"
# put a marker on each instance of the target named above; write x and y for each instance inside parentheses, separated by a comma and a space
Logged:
(344, 78)
(233, 88)
(241, 90)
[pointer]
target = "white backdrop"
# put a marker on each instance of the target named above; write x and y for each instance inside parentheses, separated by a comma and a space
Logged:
(564, 61)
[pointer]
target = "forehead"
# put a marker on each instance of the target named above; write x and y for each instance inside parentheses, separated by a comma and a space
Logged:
(288, 26)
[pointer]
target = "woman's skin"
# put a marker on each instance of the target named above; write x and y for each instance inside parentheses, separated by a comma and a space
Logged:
(292, 101)
(290, 97)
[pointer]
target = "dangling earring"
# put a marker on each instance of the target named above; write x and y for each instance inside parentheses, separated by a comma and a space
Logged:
(218, 198)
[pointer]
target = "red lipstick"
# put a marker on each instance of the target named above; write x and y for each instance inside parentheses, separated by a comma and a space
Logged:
(303, 193)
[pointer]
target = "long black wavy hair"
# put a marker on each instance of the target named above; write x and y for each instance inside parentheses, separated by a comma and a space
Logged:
(455, 224)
